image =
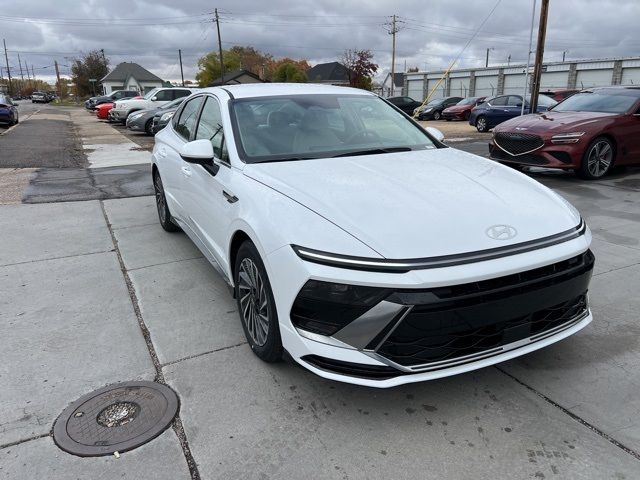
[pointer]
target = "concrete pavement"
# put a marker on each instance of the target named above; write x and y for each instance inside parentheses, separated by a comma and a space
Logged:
(569, 411)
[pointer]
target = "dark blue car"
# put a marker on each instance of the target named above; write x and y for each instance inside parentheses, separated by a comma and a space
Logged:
(8, 110)
(500, 109)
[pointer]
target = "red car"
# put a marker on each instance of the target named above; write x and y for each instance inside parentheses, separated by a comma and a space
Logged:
(102, 110)
(589, 132)
(462, 109)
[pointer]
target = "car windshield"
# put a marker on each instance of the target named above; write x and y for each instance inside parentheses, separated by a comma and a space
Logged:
(467, 101)
(151, 93)
(603, 101)
(298, 127)
(432, 103)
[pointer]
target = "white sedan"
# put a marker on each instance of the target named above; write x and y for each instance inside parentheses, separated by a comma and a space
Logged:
(361, 244)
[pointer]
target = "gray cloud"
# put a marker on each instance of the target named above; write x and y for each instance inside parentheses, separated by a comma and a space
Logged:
(431, 34)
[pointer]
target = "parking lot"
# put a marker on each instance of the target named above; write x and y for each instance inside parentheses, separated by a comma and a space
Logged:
(94, 292)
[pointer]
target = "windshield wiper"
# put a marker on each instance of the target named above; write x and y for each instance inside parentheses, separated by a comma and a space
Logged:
(373, 151)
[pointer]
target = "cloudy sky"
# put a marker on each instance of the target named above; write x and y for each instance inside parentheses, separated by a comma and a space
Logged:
(430, 33)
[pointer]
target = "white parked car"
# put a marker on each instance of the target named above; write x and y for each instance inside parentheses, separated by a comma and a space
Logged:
(361, 244)
(153, 99)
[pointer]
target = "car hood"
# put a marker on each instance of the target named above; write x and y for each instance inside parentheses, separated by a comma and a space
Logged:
(555, 122)
(458, 108)
(421, 203)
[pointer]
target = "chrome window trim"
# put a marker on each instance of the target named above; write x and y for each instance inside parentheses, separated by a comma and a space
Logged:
(406, 265)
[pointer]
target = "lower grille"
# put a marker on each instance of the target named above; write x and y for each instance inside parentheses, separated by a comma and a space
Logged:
(518, 143)
(529, 158)
(474, 318)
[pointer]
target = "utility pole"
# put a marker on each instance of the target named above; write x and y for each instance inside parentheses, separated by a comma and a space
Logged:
(526, 73)
(181, 73)
(509, 60)
(104, 60)
(394, 30)
(21, 74)
(55, 62)
(6, 57)
(537, 69)
(33, 74)
(563, 55)
(486, 61)
(26, 67)
(220, 47)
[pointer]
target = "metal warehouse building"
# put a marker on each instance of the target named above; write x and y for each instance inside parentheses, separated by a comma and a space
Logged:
(479, 82)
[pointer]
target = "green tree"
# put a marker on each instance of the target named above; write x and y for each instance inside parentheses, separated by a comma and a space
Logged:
(235, 58)
(360, 67)
(92, 65)
(289, 73)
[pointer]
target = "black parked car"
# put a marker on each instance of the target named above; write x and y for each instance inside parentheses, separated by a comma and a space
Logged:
(433, 109)
(406, 104)
(93, 102)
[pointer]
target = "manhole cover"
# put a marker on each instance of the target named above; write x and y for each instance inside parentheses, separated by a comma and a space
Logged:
(116, 418)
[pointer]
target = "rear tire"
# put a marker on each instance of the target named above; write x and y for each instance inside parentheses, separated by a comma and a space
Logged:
(164, 215)
(256, 305)
(598, 159)
(481, 124)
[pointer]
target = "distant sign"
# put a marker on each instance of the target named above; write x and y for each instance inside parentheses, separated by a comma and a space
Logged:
(93, 80)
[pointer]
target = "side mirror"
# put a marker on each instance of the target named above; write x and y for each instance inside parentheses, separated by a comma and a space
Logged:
(153, 99)
(198, 151)
(437, 134)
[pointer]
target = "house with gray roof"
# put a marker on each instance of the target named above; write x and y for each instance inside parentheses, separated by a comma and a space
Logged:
(332, 73)
(130, 76)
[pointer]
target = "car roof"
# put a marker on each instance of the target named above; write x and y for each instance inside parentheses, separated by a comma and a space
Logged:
(249, 90)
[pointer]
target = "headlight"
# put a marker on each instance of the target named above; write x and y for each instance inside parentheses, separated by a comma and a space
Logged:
(573, 137)
(135, 115)
(324, 308)
(166, 116)
(427, 110)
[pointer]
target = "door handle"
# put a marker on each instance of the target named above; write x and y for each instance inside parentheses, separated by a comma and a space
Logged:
(230, 198)
(186, 171)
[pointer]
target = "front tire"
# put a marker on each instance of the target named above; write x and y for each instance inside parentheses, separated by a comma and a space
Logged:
(147, 127)
(437, 115)
(481, 124)
(598, 159)
(164, 215)
(256, 305)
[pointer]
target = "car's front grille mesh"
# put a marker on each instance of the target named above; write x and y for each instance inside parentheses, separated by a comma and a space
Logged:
(453, 341)
(469, 319)
(518, 143)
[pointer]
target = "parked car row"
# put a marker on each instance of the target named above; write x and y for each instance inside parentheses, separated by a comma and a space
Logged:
(43, 97)
(149, 113)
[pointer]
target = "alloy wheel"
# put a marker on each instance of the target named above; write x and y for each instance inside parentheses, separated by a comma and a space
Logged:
(481, 124)
(161, 202)
(599, 159)
(254, 301)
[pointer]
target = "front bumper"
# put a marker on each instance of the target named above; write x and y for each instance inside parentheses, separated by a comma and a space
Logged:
(549, 156)
(454, 115)
(117, 115)
(370, 359)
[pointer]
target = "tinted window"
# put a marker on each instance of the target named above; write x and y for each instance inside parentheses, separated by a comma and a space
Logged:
(180, 93)
(395, 101)
(514, 101)
(498, 101)
(210, 127)
(186, 123)
(163, 96)
(598, 101)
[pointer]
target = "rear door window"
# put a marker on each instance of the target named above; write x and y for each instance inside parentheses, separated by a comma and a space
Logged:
(163, 96)
(180, 94)
(499, 101)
